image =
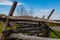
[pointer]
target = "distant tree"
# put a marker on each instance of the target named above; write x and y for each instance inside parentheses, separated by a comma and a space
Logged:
(2, 15)
(36, 17)
(23, 12)
(31, 10)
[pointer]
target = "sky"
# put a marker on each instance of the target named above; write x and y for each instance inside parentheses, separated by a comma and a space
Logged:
(39, 7)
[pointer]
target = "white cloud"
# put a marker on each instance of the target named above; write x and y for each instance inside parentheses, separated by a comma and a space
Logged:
(55, 16)
(40, 13)
(7, 2)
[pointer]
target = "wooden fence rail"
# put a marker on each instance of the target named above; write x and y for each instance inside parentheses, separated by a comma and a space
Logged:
(27, 37)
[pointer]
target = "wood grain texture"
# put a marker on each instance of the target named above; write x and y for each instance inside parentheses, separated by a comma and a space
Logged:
(24, 36)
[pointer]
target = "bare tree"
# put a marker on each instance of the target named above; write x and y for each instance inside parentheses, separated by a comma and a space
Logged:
(31, 10)
(23, 12)
(18, 11)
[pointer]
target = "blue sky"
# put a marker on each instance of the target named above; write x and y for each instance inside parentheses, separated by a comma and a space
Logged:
(41, 7)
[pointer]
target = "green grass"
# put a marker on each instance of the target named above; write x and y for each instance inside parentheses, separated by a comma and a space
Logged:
(52, 35)
(0, 28)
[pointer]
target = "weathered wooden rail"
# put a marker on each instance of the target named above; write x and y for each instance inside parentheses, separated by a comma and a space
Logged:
(27, 37)
(16, 18)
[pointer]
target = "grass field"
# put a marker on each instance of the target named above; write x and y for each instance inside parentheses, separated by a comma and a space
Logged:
(52, 35)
